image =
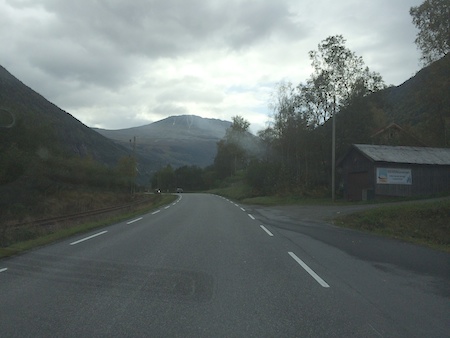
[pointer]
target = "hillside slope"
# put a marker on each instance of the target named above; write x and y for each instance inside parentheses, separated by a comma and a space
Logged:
(51, 163)
(421, 103)
(37, 123)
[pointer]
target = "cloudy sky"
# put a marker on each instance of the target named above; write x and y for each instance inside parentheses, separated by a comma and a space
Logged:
(117, 63)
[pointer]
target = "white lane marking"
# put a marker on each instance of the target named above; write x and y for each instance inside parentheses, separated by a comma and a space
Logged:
(236, 205)
(265, 229)
(251, 216)
(155, 212)
(135, 220)
(242, 209)
(167, 207)
(174, 204)
(3, 270)
(376, 331)
(309, 270)
(86, 238)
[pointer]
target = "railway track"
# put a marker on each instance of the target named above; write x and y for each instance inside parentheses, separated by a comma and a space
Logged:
(79, 216)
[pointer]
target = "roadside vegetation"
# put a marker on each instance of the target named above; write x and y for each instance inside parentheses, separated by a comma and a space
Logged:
(18, 239)
(425, 223)
(237, 188)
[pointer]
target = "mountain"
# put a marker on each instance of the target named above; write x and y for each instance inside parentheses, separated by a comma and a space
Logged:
(37, 124)
(33, 125)
(51, 163)
(176, 140)
(422, 103)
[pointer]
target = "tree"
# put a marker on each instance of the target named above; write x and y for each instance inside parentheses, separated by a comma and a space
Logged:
(231, 152)
(339, 75)
(262, 176)
(432, 18)
(229, 158)
(287, 140)
(164, 179)
(190, 178)
(313, 101)
(239, 125)
(126, 168)
(238, 130)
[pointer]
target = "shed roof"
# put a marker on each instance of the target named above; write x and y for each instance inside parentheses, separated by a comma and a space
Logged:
(409, 155)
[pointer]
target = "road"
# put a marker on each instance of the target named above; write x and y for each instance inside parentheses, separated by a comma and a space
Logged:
(204, 266)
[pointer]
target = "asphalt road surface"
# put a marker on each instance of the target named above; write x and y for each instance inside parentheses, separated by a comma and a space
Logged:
(207, 267)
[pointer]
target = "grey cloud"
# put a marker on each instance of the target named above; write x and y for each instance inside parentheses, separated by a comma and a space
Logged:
(164, 28)
(257, 20)
(118, 119)
(67, 61)
(168, 109)
(98, 42)
(189, 89)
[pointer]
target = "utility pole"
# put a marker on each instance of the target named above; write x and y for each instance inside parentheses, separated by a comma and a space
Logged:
(133, 156)
(333, 152)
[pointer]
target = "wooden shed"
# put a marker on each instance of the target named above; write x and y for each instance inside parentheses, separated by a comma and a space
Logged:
(370, 171)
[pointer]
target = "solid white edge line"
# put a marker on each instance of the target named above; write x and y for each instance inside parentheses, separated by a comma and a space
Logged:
(251, 216)
(265, 229)
(3, 270)
(155, 212)
(86, 238)
(309, 270)
(135, 220)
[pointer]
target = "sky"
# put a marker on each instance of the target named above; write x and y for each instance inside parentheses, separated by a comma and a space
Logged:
(117, 64)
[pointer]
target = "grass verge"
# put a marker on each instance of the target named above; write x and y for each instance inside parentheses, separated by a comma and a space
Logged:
(290, 200)
(426, 223)
(236, 192)
(242, 192)
(81, 228)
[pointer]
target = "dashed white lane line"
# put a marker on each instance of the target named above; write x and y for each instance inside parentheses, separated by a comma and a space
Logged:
(251, 216)
(309, 270)
(242, 209)
(86, 238)
(3, 270)
(155, 212)
(265, 229)
(167, 207)
(134, 220)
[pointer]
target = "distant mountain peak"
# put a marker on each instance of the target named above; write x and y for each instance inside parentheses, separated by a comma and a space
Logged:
(191, 121)
(173, 127)
(176, 140)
